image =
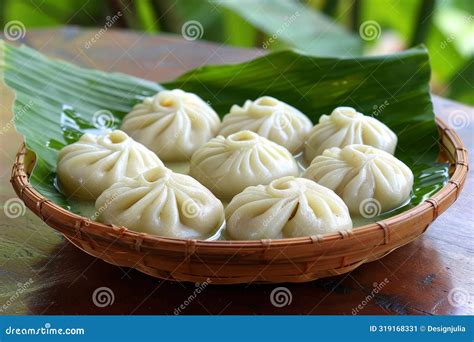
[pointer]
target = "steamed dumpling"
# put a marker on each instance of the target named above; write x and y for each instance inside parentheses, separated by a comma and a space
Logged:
(92, 164)
(270, 118)
(288, 207)
(365, 177)
(227, 166)
(164, 203)
(346, 126)
(173, 124)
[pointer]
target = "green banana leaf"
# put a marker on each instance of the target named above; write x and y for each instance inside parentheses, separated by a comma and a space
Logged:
(56, 102)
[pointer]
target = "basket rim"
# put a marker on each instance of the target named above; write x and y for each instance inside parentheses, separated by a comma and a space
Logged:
(35, 201)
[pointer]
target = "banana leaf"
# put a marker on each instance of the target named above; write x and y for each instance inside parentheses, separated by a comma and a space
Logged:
(56, 102)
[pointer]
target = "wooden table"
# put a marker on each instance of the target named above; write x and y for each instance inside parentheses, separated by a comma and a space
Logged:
(41, 273)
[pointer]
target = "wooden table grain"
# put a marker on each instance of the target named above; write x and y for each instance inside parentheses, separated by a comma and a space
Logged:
(42, 273)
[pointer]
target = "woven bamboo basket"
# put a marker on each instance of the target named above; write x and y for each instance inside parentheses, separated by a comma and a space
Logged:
(231, 262)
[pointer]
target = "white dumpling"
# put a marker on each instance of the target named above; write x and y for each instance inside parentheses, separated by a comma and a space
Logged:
(369, 180)
(288, 207)
(345, 126)
(227, 166)
(164, 203)
(93, 163)
(270, 118)
(173, 124)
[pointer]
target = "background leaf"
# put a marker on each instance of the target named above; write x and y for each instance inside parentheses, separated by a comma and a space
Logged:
(296, 25)
(56, 101)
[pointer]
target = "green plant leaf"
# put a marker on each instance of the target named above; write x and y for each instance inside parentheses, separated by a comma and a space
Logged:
(56, 101)
(238, 31)
(146, 16)
(297, 25)
(397, 15)
(460, 87)
(446, 60)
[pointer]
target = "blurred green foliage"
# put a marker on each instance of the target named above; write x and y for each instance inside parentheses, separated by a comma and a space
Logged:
(320, 27)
